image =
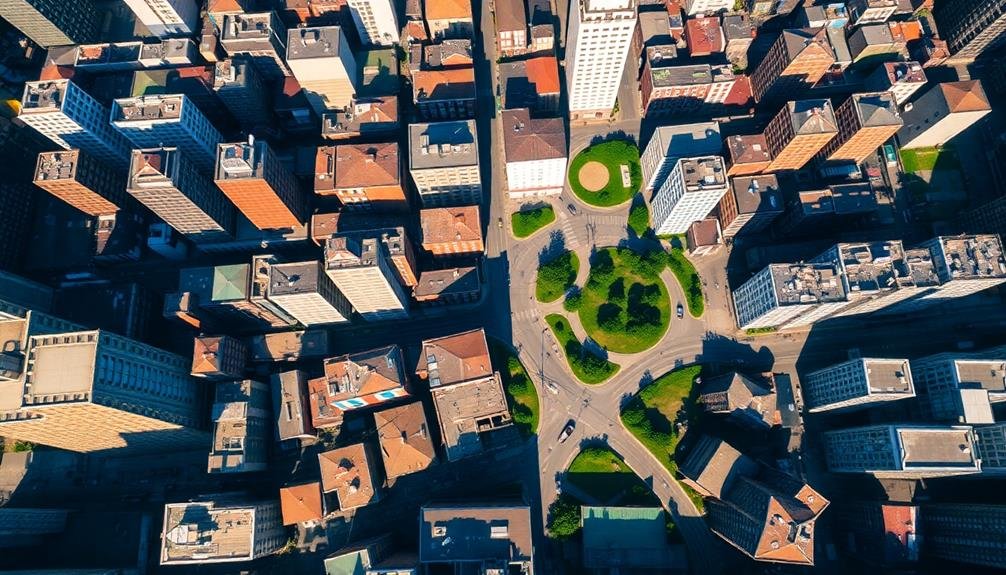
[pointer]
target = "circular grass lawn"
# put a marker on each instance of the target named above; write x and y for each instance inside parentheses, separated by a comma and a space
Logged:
(590, 185)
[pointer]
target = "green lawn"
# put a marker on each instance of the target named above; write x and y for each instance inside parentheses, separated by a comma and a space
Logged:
(600, 473)
(586, 366)
(521, 394)
(687, 277)
(639, 216)
(556, 276)
(917, 159)
(625, 306)
(526, 222)
(612, 154)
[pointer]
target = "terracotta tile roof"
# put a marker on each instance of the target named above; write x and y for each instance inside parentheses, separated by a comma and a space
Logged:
(405, 439)
(525, 139)
(510, 15)
(967, 96)
(448, 9)
(448, 53)
(445, 225)
(459, 357)
(204, 354)
(543, 72)
(346, 472)
(301, 503)
(704, 36)
(448, 84)
(364, 373)
(365, 165)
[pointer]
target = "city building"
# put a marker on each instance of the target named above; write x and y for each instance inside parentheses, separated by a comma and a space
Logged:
(358, 380)
(451, 231)
(481, 538)
(321, 60)
(447, 94)
(750, 205)
(163, 180)
(362, 176)
(232, 295)
(874, 42)
(259, 38)
(903, 451)
(682, 90)
(739, 32)
(535, 153)
(362, 269)
(444, 55)
(879, 274)
(668, 144)
(704, 36)
(653, 30)
(168, 120)
(794, 63)
(449, 19)
(349, 478)
(194, 82)
(376, 556)
(289, 346)
(81, 181)
(302, 504)
(542, 24)
(964, 265)
(511, 27)
(242, 427)
(450, 286)
(243, 91)
(220, 357)
(444, 163)
(959, 387)
(61, 111)
(703, 237)
(467, 393)
(968, 533)
(166, 17)
(857, 383)
(902, 79)
(747, 155)
(788, 295)
(375, 21)
(532, 83)
(53, 22)
(406, 444)
(699, 7)
(262, 188)
(228, 528)
(597, 41)
(92, 401)
(364, 117)
(629, 538)
(944, 111)
(865, 122)
(798, 133)
(881, 534)
(812, 211)
(691, 191)
(970, 27)
(289, 401)
(871, 11)
(306, 293)
(748, 401)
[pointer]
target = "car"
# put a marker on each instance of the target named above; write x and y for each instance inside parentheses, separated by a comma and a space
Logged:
(567, 431)
(681, 311)
(499, 221)
(571, 208)
(552, 388)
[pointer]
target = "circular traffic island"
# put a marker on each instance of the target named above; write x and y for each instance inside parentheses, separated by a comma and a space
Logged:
(625, 307)
(606, 174)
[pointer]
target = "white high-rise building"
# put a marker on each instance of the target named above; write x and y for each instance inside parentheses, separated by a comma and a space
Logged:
(169, 120)
(600, 32)
(535, 152)
(304, 292)
(324, 66)
(697, 7)
(903, 451)
(857, 383)
(958, 387)
(62, 112)
(375, 21)
(166, 17)
(693, 188)
(668, 144)
(789, 295)
(363, 271)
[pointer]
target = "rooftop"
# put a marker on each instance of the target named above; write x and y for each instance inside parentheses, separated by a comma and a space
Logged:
(44, 96)
(702, 173)
(455, 358)
(406, 445)
(524, 81)
(153, 167)
(655, 28)
(607, 9)
(799, 39)
(435, 283)
(362, 114)
(510, 15)
(856, 198)
(353, 250)
(629, 537)
(972, 257)
(468, 409)
(93, 54)
(241, 160)
(748, 149)
(206, 531)
(713, 464)
(812, 117)
(346, 472)
(681, 75)
(526, 139)
(988, 375)
(941, 447)
(301, 503)
(877, 109)
(366, 165)
(364, 373)
(688, 140)
(294, 278)
(60, 370)
(900, 532)
(289, 345)
(464, 533)
(891, 376)
(738, 393)
(703, 35)
(905, 72)
(453, 52)
(921, 268)
(288, 403)
(59, 165)
(146, 108)
(314, 42)
(873, 266)
(447, 225)
(801, 284)
(443, 145)
(443, 85)
(448, 10)
(256, 26)
(738, 27)
(757, 194)
(206, 352)
(237, 441)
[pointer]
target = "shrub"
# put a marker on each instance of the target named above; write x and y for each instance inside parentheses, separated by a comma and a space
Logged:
(527, 222)
(616, 291)
(609, 317)
(639, 217)
(564, 517)
(556, 276)
(573, 301)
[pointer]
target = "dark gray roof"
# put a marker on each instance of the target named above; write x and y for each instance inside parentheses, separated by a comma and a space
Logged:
(758, 193)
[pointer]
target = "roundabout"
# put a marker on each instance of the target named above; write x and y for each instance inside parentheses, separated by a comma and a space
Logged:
(606, 174)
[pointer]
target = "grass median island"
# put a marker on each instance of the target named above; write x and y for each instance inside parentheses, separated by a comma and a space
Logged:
(526, 222)
(639, 216)
(593, 189)
(556, 276)
(684, 271)
(585, 365)
(600, 473)
(625, 307)
(521, 394)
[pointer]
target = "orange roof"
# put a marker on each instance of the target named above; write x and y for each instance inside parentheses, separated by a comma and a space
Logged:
(460, 357)
(405, 439)
(445, 225)
(301, 503)
(54, 72)
(364, 165)
(204, 355)
(346, 471)
(965, 96)
(452, 83)
(911, 30)
(448, 9)
(543, 72)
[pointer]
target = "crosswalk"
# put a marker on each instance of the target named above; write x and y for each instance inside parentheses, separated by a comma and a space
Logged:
(525, 315)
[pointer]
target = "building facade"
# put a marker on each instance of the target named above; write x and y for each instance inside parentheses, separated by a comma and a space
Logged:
(375, 21)
(444, 163)
(794, 63)
(941, 113)
(857, 383)
(53, 22)
(902, 79)
(364, 177)
(865, 122)
(361, 268)
(692, 189)
(171, 121)
(971, 27)
(671, 143)
(242, 427)
(81, 181)
(322, 62)
(958, 387)
(243, 91)
(789, 295)
(903, 451)
(307, 294)
(535, 152)
(451, 231)
(599, 35)
(166, 17)
(798, 133)
(750, 205)
(973, 534)
(229, 528)
(260, 186)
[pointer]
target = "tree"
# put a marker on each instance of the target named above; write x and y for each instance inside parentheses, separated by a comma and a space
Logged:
(639, 217)
(564, 517)
(573, 301)
(609, 317)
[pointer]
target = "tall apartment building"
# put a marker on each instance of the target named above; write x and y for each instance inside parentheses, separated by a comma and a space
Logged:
(668, 144)
(902, 79)
(598, 39)
(750, 205)
(304, 292)
(53, 22)
(865, 122)
(80, 181)
(794, 63)
(941, 113)
(957, 387)
(788, 295)
(880, 274)
(363, 176)
(747, 155)
(799, 132)
(168, 120)
(323, 64)
(451, 231)
(93, 390)
(970, 533)
(242, 427)
(857, 383)
(444, 163)
(243, 91)
(260, 38)
(163, 180)
(697, 7)
(357, 380)
(375, 21)
(228, 528)
(964, 265)
(692, 189)
(903, 451)
(535, 154)
(166, 17)
(362, 269)
(255, 180)
(971, 27)
(72, 119)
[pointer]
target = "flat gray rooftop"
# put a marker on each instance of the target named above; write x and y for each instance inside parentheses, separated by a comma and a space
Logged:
(443, 145)
(888, 376)
(937, 447)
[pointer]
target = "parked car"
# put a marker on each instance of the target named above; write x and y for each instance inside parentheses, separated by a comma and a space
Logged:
(681, 311)
(567, 431)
